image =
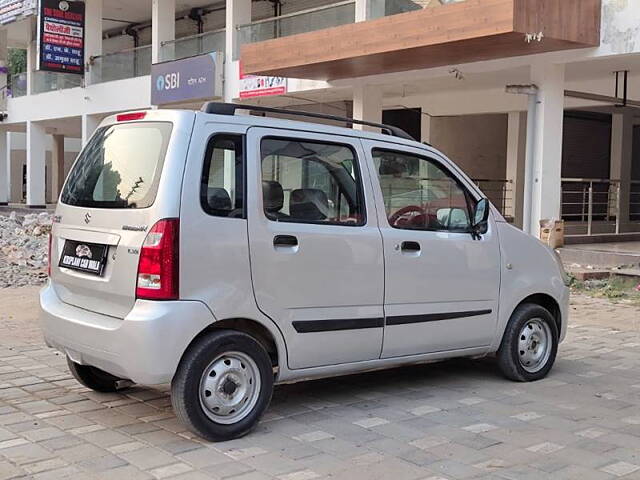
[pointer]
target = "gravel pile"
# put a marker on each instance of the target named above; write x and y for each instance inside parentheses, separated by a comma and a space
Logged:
(24, 242)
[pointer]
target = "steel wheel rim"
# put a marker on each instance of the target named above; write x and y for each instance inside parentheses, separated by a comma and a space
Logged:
(230, 387)
(534, 345)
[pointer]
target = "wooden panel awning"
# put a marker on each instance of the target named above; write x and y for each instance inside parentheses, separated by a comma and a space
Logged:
(464, 32)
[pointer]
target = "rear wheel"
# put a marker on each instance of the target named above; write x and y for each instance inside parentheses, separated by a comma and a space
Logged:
(94, 378)
(530, 344)
(223, 385)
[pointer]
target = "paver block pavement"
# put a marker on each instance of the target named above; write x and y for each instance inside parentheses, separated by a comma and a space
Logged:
(453, 420)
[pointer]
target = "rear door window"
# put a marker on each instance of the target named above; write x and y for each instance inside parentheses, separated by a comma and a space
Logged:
(120, 167)
(311, 182)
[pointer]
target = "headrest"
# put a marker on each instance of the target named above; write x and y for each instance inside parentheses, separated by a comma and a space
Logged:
(308, 204)
(273, 196)
(218, 199)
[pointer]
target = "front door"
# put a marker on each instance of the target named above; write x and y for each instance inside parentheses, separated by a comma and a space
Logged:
(315, 246)
(441, 284)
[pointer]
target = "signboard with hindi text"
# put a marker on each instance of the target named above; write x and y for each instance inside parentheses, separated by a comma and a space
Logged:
(61, 36)
(252, 86)
(187, 80)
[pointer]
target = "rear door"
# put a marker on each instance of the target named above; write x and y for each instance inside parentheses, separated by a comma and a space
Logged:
(316, 251)
(441, 284)
(125, 179)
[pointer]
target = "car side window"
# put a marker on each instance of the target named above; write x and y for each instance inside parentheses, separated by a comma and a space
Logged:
(311, 182)
(420, 194)
(222, 186)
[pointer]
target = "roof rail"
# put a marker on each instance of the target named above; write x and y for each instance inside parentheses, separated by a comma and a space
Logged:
(220, 108)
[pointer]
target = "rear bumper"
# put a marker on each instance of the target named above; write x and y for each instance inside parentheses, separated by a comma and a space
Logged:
(145, 346)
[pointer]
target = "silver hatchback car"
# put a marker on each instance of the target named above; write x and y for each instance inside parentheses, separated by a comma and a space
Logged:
(224, 253)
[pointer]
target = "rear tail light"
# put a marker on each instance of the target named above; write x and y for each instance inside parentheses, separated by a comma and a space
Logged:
(158, 266)
(49, 259)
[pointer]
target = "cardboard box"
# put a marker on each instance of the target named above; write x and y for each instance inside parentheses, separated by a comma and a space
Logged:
(552, 233)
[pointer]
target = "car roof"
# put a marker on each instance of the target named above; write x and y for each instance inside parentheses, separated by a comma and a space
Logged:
(309, 126)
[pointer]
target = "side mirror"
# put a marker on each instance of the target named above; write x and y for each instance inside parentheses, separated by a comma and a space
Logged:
(480, 223)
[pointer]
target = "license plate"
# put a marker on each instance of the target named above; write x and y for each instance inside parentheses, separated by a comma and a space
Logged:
(83, 256)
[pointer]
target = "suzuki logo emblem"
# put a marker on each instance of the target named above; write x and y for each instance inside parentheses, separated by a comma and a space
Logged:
(83, 251)
(87, 217)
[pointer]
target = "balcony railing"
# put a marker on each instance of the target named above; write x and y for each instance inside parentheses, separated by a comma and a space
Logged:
(385, 8)
(589, 200)
(294, 23)
(592, 206)
(43, 82)
(135, 62)
(194, 45)
(500, 193)
(18, 85)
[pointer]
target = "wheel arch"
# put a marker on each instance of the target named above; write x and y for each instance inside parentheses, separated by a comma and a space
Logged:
(255, 329)
(546, 301)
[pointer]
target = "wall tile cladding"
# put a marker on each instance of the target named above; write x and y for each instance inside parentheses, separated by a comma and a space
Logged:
(620, 26)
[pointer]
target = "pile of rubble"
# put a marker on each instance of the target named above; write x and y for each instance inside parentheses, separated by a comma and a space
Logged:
(24, 242)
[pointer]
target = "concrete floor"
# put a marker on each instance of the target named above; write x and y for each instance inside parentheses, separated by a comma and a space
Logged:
(626, 248)
(610, 254)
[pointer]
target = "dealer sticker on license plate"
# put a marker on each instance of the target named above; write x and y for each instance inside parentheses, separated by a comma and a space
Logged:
(84, 256)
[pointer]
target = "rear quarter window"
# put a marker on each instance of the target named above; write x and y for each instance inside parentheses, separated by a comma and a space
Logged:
(120, 167)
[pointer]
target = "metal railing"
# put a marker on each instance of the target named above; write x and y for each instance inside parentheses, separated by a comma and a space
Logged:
(131, 63)
(634, 201)
(43, 82)
(18, 85)
(184, 47)
(500, 193)
(591, 202)
(304, 21)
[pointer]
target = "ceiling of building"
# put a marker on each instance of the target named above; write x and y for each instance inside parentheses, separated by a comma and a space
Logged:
(119, 13)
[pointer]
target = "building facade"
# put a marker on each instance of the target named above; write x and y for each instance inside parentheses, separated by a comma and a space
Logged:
(537, 100)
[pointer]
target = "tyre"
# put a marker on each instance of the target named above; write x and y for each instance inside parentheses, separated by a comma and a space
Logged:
(529, 345)
(94, 378)
(223, 385)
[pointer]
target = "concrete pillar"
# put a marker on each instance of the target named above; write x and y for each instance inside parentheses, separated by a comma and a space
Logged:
(516, 155)
(4, 167)
(238, 12)
(32, 55)
(425, 128)
(92, 39)
(369, 9)
(89, 125)
(163, 26)
(547, 147)
(622, 160)
(4, 64)
(367, 105)
(14, 172)
(57, 166)
(36, 156)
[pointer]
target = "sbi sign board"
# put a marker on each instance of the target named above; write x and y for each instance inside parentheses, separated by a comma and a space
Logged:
(188, 79)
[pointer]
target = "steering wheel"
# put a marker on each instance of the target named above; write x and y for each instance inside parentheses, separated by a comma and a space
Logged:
(405, 215)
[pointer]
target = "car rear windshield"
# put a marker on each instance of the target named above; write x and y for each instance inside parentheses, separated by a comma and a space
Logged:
(120, 167)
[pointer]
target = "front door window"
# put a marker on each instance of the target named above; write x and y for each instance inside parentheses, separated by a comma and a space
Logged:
(419, 194)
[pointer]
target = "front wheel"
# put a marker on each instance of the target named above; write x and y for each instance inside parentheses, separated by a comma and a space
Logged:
(223, 385)
(530, 344)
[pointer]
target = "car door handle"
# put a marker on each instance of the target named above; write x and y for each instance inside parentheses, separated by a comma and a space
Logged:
(285, 241)
(410, 247)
